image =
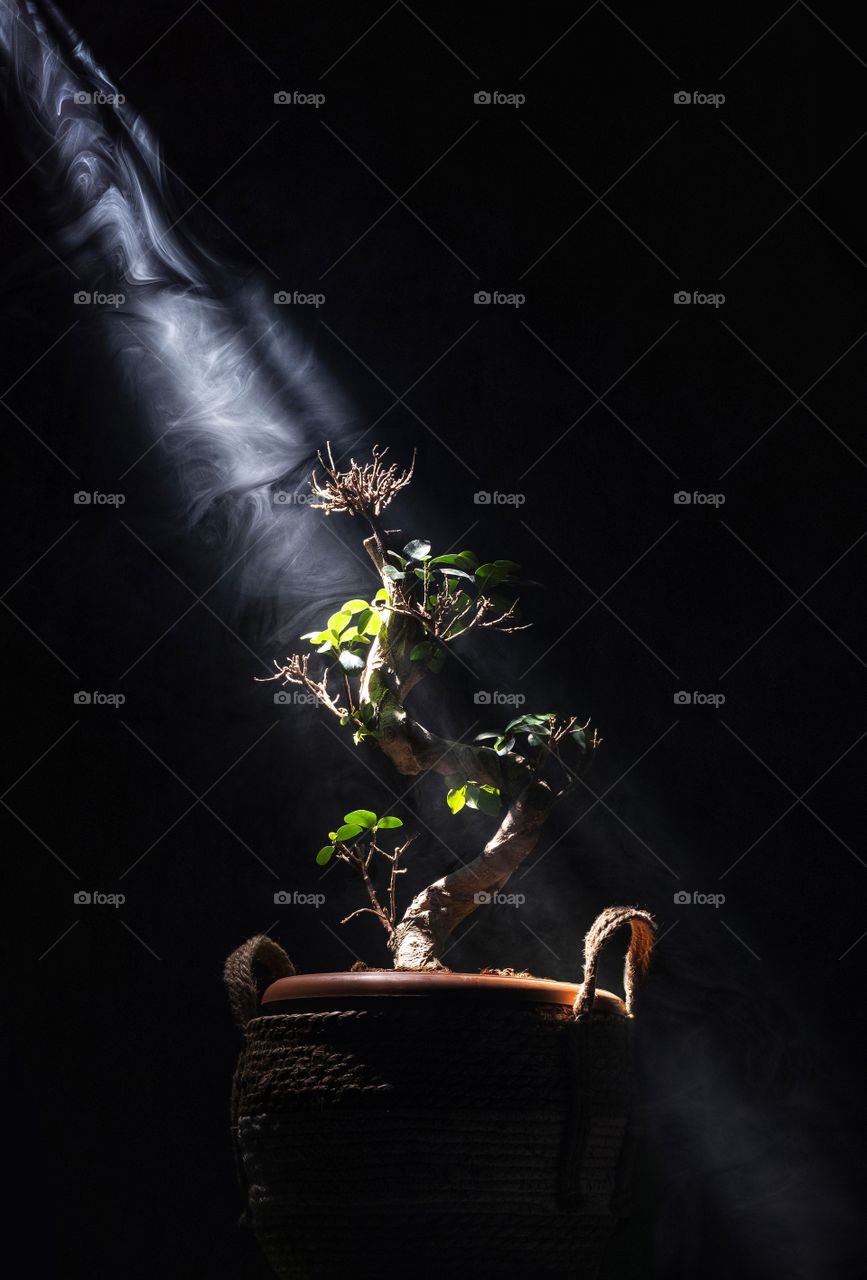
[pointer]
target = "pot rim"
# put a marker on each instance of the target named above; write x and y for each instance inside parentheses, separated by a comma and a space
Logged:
(394, 983)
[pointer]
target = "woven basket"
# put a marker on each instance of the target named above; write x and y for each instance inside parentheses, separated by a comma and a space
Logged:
(452, 1123)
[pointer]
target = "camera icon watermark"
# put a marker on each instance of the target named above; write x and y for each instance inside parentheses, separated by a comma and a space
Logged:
(683, 698)
(283, 898)
(498, 899)
(486, 498)
(296, 98)
(495, 98)
(685, 298)
(685, 499)
(83, 898)
(683, 898)
(494, 698)
(496, 298)
(88, 698)
(283, 298)
(684, 99)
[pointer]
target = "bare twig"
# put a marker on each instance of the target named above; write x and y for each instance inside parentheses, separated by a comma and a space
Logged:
(363, 489)
(361, 860)
(294, 671)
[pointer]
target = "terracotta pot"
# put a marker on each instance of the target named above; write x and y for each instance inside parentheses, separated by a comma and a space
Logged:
(433, 1121)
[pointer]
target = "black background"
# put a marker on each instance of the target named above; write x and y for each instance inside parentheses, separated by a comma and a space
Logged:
(122, 1047)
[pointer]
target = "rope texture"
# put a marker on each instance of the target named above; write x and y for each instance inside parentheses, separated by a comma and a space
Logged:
(240, 978)
(497, 1152)
(638, 955)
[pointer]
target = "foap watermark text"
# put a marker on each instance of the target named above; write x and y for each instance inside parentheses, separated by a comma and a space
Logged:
(683, 698)
(488, 498)
(495, 298)
(683, 498)
(285, 898)
(295, 298)
(685, 298)
(93, 698)
(86, 898)
(93, 498)
(685, 99)
(85, 299)
(495, 98)
(298, 98)
(494, 698)
(683, 898)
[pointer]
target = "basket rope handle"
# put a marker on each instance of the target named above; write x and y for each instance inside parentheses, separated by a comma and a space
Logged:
(637, 959)
(240, 978)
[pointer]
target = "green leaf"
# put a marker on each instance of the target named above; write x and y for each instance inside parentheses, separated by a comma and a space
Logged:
(455, 573)
(386, 824)
(349, 831)
(400, 560)
(323, 857)
(471, 556)
(488, 802)
(508, 565)
(580, 737)
(417, 549)
(373, 624)
(503, 745)
(420, 651)
(361, 817)
(381, 594)
(514, 724)
(326, 648)
(456, 559)
(350, 662)
(457, 798)
(393, 575)
(485, 798)
(437, 662)
(354, 639)
(489, 733)
(354, 606)
(338, 621)
(533, 740)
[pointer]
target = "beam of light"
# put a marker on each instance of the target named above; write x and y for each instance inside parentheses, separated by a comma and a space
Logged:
(219, 385)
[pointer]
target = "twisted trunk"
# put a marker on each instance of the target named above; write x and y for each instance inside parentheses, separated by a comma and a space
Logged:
(437, 911)
(434, 914)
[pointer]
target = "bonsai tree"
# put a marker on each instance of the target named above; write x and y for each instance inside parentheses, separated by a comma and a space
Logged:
(366, 661)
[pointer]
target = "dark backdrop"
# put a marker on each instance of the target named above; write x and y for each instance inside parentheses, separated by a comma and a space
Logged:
(596, 400)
